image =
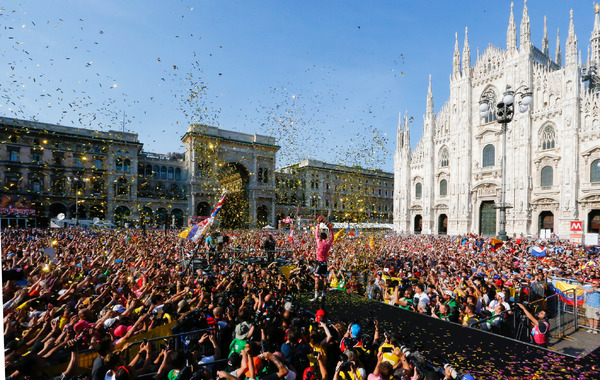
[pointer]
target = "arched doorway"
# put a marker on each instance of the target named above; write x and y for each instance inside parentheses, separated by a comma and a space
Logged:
(442, 224)
(234, 177)
(121, 215)
(203, 209)
(594, 221)
(146, 215)
(177, 216)
(162, 217)
(262, 215)
(418, 224)
(546, 221)
(96, 211)
(57, 208)
(78, 212)
(487, 219)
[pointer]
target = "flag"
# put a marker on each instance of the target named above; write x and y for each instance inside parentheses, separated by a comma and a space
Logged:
(589, 264)
(339, 234)
(184, 234)
(567, 295)
(372, 243)
(195, 232)
(291, 237)
(496, 243)
(538, 251)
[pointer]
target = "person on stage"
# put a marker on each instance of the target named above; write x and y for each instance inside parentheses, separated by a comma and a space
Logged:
(324, 243)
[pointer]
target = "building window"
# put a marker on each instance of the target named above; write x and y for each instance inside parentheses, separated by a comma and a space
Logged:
(58, 158)
(13, 154)
(97, 186)
(203, 168)
(156, 171)
(595, 171)
(263, 175)
(36, 186)
(122, 187)
(36, 157)
(170, 173)
(491, 97)
(148, 171)
(489, 153)
(119, 164)
(12, 182)
(163, 172)
(77, 161)
(443, 188)
(98, 163)
(444, 158)
(548, 138)
(127, 165)
(418, 190)
(547, 176)
(177, 174)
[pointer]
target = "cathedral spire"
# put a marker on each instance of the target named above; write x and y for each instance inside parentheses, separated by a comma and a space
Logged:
(571, 48)
(456, 58)
(466, 58)
(511, 33)
(558, 58)
(399, 134)
(545, 41)
(406, 137)
(525, 29)
(429, 99)
(595, 39)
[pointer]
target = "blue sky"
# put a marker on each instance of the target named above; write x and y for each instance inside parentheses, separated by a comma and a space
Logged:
(324, 77)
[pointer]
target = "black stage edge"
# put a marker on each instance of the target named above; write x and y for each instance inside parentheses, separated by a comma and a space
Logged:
(481, 354)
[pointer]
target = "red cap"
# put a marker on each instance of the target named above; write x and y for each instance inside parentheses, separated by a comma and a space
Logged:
(320, 314)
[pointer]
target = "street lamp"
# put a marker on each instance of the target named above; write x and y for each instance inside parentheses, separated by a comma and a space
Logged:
(505, 112)
(77, 181)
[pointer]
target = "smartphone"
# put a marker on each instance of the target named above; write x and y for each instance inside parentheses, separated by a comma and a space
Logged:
(387, 349)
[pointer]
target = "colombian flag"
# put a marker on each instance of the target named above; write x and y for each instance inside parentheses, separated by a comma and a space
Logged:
(567, 295)
(339, 234)
(496, 243)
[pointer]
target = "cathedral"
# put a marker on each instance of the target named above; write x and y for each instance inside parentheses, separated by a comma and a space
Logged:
(451, 182)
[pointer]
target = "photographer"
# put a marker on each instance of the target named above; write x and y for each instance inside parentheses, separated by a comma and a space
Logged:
(541, 326)
(349, 367)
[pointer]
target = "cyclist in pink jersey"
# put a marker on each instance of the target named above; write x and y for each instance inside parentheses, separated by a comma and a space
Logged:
(323, 245)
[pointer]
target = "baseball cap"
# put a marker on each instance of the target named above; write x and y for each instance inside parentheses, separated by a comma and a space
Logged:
(320, 315)
(119, 308)
(355, 330)
(501, 294)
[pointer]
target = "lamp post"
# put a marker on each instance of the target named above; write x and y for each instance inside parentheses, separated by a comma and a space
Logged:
(505, 112)
(77, 181)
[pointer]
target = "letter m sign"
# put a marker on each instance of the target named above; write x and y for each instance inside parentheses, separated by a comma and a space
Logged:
(577, 226)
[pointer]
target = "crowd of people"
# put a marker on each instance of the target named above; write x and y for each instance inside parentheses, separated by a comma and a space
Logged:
(67, 291)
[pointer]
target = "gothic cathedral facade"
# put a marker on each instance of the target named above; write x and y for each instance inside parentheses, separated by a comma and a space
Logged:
(450, 183)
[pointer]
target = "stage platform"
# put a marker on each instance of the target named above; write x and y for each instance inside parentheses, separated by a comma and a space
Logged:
(479, 353)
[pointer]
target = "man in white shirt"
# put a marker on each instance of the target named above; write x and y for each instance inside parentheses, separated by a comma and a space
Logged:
(498, 300)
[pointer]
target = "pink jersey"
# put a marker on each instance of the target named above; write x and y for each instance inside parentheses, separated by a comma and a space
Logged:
(323, 246)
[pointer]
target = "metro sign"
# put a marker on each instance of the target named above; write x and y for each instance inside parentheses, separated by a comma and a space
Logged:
(577, 226)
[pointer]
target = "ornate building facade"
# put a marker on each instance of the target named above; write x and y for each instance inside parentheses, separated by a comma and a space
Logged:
(342, 193)
(451, 182)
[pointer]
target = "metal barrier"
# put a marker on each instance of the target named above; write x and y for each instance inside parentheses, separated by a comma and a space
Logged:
(561, 315)
(176, 342)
